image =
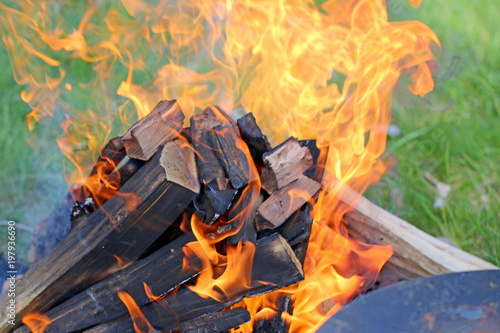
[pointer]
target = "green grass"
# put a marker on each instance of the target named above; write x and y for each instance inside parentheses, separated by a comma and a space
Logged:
(453, 133)
(31, 171)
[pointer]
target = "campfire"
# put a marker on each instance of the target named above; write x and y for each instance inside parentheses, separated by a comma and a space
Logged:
(235, 201)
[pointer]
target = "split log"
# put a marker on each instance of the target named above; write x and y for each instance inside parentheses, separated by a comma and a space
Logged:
(295, 229)
(275, 266)
(297, 234)
(243, 214)
(212, 203)
(162, 271)
(114, 167)
(216, 322)
(284, 164)
(416, 253)
(284, 202)
(163, 124)
(252, 134)
(319, 151)
(235, 158)
(207, 148)
(125, 226)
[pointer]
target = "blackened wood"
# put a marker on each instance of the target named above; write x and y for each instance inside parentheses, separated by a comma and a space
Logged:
(129, 167)
(218, 113)
(110, 156)
(275, 324)
(253, 136)
(295, 229)
(275, 266)
(55, 226)
(163, 124)
(99, 185)
(161, 271)
(125, 226)
(212, 203)
(236, 158)
(319, 151)
(206, 145)
(243, 214)
(284, 202)
(216, 322)
(284, 164)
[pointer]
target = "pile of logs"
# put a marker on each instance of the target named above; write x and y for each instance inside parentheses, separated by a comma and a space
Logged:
(131, 225)
(128, 238)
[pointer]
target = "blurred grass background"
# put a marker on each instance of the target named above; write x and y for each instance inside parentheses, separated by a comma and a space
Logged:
(452, 134)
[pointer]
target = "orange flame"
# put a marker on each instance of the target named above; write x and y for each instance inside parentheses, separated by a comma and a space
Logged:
(141, 324)
(36, 322)
(308, 70)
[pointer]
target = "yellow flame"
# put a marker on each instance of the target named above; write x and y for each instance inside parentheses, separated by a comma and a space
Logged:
(36, 322)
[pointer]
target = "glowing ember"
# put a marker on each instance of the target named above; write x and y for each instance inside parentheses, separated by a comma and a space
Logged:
(312, 71)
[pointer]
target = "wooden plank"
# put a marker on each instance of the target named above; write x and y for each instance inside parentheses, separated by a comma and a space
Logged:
(161, 271)
(284, 202)
(125, 226)
(163, 124)
(284, 164)
(275, 266)
(416, 253)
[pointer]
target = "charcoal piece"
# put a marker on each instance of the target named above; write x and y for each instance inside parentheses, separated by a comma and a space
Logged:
(256, 140)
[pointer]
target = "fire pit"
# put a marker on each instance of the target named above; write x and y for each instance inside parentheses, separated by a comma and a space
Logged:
(250, 215)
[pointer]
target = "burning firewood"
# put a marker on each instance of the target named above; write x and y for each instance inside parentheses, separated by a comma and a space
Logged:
(284, 164)
(161, 272)
(126, 258)
(165, 121)
(216, 322)
(284, 202)
(273, 256)
(150, 201)
(124, 227)
(256, 140)
(204, 140)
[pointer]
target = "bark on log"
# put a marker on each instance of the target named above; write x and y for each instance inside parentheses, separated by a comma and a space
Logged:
(275, 266)
(163, 124)
(125, 226)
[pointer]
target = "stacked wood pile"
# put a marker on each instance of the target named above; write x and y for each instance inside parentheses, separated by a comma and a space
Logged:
(128, 240)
